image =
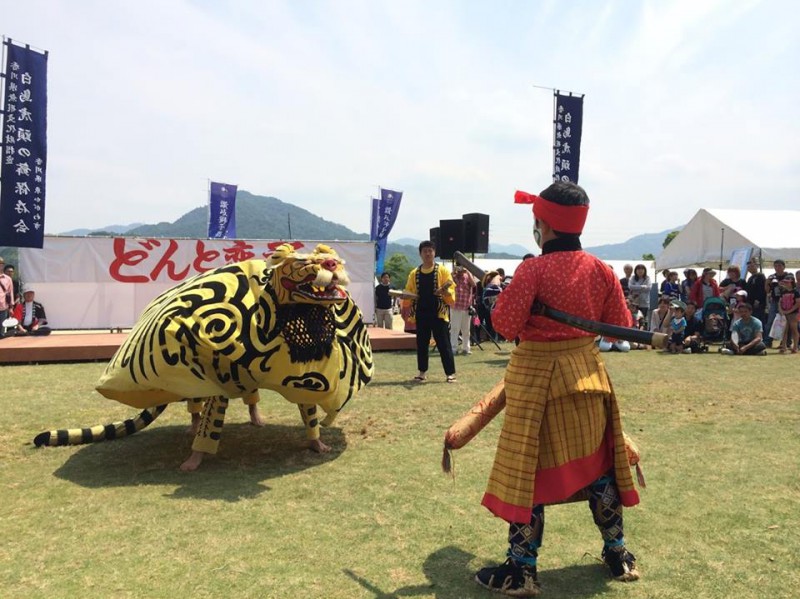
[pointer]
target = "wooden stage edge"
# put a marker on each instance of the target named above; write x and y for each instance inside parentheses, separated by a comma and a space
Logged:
(79, 346)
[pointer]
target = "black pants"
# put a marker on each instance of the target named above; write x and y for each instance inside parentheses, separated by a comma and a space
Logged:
(441, 335)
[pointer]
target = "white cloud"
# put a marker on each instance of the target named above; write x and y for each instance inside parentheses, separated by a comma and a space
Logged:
(688, 105)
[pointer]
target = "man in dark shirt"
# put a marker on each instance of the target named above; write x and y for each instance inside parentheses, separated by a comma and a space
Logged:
(628, 270)
(756, 288)
(383, 302)
(433, 286)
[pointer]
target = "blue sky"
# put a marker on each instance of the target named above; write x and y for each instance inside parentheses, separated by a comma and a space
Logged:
(688, 105)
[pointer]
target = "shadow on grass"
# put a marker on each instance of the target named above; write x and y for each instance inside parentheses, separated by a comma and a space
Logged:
(247, 457)
(451, 576)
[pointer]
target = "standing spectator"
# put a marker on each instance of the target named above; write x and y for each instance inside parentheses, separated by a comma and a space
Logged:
(756, 287)
(732, 283)
(774, 290)
(705, 287)
(9, 271)
(430, 310)
(788, 306)
(383, 302)
(686, 285)
(31, 316)
(670, 286)
(7, 297)
(628, 270)
(748, 333)
(459, 315)
(639, 288)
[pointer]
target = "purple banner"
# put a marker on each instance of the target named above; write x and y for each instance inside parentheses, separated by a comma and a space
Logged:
(222, 211)
(384, 213)
(24, 148)
(567, 127)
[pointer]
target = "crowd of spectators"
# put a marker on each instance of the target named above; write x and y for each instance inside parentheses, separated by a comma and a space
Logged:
(20, 313)
(751, 312)
(742, 309)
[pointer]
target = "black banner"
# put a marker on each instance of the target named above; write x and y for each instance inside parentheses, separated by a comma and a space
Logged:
(24, 148)
(567, 125)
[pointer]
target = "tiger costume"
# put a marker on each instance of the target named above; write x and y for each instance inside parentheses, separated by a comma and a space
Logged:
(284, 324)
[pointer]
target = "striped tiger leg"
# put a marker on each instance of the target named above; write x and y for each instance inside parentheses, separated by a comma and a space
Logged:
(309, 414)
(101, 432)
(208, 434)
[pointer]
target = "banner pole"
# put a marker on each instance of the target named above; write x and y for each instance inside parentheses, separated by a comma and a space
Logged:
(6, 40)
(555, 121)
(208, 208)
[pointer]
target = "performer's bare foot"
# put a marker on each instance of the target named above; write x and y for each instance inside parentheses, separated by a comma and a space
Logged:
(194, 461)
(256, 418)
(195, 425)
(318, 446)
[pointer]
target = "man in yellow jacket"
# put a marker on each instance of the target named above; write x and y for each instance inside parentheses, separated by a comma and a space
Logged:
(434, 289)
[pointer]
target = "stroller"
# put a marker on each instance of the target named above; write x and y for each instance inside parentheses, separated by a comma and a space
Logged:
(715, 321)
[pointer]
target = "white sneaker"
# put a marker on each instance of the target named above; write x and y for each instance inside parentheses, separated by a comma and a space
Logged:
(726, 351)
(688, 350)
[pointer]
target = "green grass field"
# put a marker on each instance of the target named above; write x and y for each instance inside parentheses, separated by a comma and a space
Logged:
(720, 441)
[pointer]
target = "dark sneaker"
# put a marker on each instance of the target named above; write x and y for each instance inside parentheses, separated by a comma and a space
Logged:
(622, 564)
(510, 579)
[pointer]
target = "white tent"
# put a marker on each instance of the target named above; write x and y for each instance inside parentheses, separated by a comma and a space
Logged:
(712, 236)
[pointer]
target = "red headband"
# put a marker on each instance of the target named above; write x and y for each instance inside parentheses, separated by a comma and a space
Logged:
(565, 219)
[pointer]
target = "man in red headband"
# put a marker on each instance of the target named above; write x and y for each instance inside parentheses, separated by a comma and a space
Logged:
(562, 437)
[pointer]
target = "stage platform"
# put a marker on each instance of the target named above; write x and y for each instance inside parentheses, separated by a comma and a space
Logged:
(80, 346)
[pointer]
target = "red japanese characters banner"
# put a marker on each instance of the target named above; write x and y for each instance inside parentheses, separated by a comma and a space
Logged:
(99, 283)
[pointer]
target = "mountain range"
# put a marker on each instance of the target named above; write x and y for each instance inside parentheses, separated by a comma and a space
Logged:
(265, 217)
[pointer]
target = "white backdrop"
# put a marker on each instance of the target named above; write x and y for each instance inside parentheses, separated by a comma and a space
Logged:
(104, 282)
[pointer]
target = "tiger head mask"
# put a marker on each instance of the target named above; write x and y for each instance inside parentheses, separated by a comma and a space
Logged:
(315, 278)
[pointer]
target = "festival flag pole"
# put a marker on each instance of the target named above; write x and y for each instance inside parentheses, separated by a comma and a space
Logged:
(208, 205)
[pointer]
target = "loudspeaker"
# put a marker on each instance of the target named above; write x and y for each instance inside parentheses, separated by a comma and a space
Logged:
(451, 233)
(436, 239)
(476, 233)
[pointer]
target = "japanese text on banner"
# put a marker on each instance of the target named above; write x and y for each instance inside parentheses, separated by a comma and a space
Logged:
(24, 148)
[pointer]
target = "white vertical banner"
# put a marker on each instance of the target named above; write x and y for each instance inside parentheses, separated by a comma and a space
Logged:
(99, 283)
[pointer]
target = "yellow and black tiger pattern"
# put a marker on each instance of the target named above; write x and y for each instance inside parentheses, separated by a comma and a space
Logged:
(284, 324)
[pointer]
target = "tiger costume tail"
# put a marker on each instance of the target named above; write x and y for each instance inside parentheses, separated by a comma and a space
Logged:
(101, 432)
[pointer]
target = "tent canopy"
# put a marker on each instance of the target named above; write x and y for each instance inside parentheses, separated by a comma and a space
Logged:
(712, 235)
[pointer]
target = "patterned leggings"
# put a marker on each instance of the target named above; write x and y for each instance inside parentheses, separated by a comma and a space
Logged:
(525, 538)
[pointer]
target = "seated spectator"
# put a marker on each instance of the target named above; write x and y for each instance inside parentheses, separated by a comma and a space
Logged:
(659, 318)
(31, 316)
(747, 335)
(693, 333)
(604, 344)
(704, 288)
(677, 326)
(637, 322)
